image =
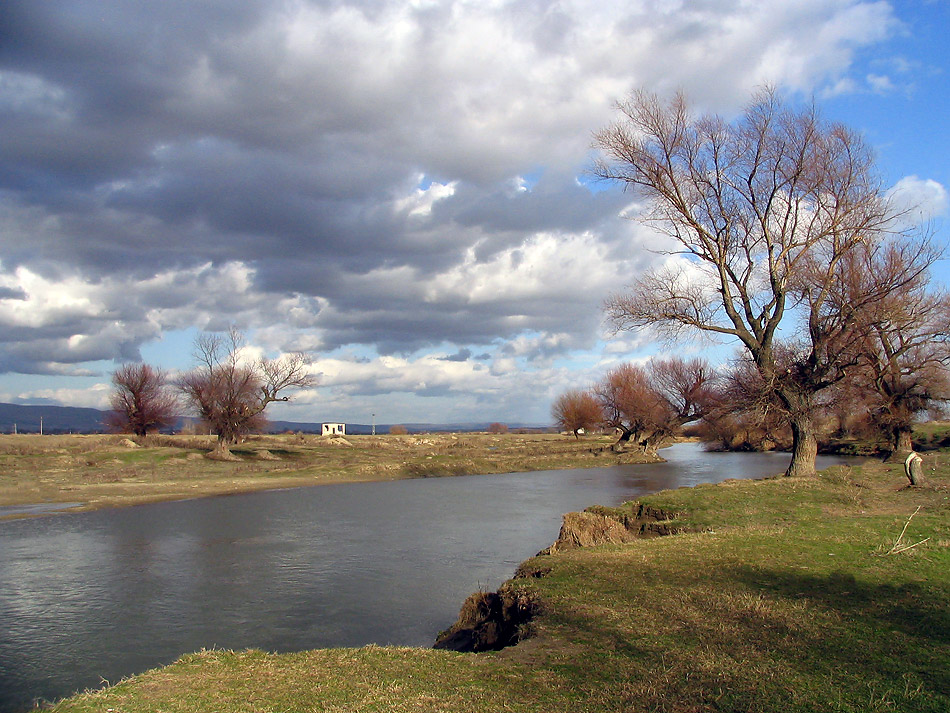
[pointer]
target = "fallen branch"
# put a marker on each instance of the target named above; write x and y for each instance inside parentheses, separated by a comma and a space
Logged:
(898, 548)
(907, 547)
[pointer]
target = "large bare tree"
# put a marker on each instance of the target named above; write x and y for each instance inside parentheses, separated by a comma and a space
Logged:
(762, 211)
(904, 346)
(230, 394)
(142, 400)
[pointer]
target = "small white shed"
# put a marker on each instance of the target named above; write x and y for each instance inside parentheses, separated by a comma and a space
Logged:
(334, 429)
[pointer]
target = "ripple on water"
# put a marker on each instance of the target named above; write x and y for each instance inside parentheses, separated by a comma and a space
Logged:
(35, 508)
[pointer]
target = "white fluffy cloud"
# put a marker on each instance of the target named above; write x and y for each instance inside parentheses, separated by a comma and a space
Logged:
(919, 200)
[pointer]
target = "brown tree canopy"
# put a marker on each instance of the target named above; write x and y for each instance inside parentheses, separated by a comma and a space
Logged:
(576, 410)
(629, 403)
(650, 403)
(142, 400)
(904, 345)
(763, 213)
(746, 414)
(229, 394)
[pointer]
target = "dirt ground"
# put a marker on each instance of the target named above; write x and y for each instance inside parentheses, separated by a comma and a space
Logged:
(95, 471)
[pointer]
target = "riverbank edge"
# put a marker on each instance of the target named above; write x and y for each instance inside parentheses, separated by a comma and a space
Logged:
(491, 621)
(397, 678)
(587, 453)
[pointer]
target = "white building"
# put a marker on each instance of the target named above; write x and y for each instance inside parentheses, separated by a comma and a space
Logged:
(334, 429)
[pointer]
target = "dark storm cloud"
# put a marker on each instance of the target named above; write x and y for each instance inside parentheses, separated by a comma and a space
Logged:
(90, 84)
(460, 355)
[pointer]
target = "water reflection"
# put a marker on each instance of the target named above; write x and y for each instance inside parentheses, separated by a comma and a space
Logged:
(101, 595)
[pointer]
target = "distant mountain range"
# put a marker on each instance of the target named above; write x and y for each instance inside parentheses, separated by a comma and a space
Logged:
(71, 419)
(54, 419)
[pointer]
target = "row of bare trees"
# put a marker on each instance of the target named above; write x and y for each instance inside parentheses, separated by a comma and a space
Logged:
(891, 383)
(226, 391)
(785, 242)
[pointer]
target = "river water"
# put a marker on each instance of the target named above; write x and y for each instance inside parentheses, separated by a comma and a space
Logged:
(92, 597)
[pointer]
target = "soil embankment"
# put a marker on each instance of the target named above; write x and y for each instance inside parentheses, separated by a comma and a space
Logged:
(490, 621)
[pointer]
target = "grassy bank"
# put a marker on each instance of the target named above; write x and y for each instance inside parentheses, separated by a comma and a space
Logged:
(107, 471)
(826, 594)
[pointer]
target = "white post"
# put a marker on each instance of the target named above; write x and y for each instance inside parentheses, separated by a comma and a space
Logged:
(913, 469)
(374, 424)
(41, 425)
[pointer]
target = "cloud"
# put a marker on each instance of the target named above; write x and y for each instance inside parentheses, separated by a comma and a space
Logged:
(461, 355)
(95, 397)
(880, 83)
(400, 389)
(385, 175)
(918, 200)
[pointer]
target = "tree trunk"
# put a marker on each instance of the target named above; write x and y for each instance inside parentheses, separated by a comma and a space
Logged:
(901, 440)
(621, 443)
(221, 449)
(651, 444)
(804, 448)
(913, 467)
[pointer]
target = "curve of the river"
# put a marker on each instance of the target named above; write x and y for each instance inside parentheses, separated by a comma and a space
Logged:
(96, 596)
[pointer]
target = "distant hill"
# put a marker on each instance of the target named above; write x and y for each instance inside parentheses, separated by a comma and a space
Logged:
(55, 419)
(70, 419)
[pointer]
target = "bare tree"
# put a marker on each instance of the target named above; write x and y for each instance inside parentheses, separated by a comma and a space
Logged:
(575, 411)
(141, 400)
(629, 404)
(905, 338)
(688, 387)
(229, 394)
(649, 404)
(762, 211)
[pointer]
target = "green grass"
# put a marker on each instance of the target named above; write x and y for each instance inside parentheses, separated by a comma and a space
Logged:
(788, 595)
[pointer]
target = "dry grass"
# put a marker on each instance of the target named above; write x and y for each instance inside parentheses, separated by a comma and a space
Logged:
(107, 471)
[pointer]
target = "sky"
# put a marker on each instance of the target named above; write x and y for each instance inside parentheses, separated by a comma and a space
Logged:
(401, 189)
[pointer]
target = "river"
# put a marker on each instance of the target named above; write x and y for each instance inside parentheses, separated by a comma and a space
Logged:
(92, 597)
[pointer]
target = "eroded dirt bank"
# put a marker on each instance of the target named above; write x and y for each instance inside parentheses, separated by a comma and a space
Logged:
(490, 621)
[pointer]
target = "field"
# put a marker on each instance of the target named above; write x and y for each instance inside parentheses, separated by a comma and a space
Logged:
(108, 471)
(820, 594)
